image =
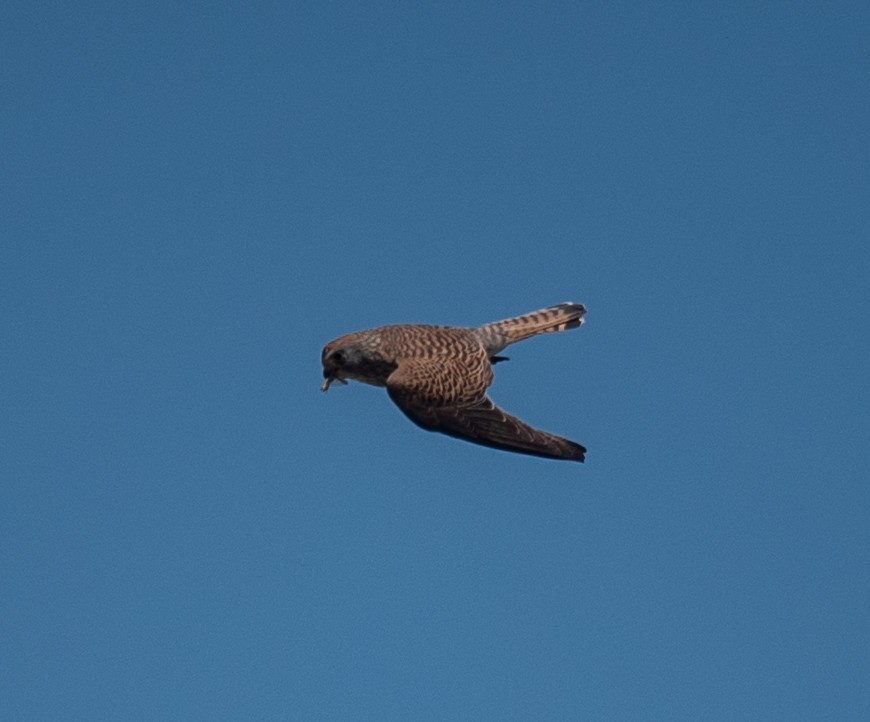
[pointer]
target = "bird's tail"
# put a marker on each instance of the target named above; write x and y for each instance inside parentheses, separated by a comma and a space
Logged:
(495, 336)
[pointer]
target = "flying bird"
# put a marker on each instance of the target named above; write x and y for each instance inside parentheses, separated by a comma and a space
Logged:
(438, 376)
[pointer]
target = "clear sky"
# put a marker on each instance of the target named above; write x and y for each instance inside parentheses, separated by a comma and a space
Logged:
(196, 197)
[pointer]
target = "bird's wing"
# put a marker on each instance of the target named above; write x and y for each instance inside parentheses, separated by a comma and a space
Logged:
(424, 391)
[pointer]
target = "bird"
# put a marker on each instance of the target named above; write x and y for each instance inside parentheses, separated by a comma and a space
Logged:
(438, 376)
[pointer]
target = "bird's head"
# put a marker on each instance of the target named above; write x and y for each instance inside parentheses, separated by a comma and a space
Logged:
(355, 356)
(339, 360)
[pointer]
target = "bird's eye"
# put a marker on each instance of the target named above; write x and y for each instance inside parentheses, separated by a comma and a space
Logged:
(338, 358)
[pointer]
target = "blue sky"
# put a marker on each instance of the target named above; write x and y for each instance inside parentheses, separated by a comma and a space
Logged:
(197, 198)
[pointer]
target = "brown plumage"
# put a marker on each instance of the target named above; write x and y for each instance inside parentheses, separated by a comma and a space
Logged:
(438, 376)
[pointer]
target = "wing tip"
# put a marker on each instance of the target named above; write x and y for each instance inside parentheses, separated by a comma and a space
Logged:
(576, 452)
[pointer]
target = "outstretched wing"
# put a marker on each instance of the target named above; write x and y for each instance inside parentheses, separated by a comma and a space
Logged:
(451, 398)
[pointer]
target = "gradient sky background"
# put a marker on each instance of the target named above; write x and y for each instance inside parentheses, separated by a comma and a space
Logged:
(196, 197)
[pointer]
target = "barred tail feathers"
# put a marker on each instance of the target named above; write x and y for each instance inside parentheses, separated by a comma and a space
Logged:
(495, 336)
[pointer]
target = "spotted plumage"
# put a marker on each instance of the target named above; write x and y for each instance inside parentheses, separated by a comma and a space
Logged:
(438, 376)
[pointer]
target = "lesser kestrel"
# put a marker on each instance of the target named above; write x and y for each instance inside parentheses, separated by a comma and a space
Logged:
(438, 376)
